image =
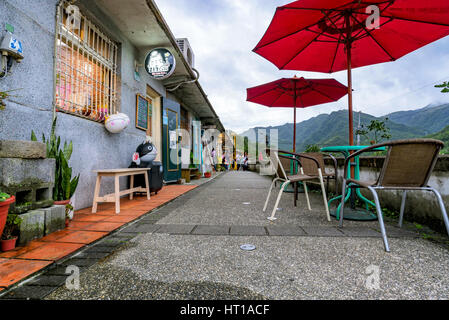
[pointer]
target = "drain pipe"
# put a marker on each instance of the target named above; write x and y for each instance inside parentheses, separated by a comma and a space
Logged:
(186, 82)
(57, 19)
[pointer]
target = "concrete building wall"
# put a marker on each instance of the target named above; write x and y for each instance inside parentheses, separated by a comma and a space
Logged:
(93, 146)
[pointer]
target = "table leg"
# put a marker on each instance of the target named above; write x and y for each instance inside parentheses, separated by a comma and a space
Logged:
(147, 185)
(117, 194)
(96, 194)
(131, 186)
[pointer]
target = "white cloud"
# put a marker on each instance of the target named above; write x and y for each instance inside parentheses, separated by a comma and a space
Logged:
(223, 33)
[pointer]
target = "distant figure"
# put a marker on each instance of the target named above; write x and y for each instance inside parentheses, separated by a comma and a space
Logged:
(225, 162)
(237, 160)
(245, 162)
(214, 163)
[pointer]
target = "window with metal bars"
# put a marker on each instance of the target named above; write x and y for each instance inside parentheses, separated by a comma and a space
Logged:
(86, 67)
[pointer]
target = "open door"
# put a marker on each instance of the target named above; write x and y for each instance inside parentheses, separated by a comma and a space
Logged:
(171, 155)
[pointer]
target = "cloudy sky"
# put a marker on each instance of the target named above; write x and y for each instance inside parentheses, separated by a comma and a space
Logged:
(223, 33)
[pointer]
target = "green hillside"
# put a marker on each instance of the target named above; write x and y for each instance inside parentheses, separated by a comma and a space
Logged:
(332, 129)
(443, 135)
(431, 119)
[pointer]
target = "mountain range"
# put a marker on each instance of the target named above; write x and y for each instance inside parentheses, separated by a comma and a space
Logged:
(332, 129)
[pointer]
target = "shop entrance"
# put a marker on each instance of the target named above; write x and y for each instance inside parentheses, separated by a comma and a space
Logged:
(170, 140)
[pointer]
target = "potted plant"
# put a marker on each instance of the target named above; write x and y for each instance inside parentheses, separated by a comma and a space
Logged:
(68, 214)
(9, 238)
(65, 186)
(5, 201)
(207, 174)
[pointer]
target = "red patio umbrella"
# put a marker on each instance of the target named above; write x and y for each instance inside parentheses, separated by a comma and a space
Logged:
(296, 93)
(335, 35)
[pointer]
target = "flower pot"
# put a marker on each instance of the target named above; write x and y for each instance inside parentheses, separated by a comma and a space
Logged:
(62, 203)
(6, 245)
(67, 222)
(4, 207)
(207, 175)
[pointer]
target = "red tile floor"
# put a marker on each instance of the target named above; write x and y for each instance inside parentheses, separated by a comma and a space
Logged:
(85, 228)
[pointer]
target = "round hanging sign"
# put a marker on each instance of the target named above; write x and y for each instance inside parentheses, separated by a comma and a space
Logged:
(160, 63)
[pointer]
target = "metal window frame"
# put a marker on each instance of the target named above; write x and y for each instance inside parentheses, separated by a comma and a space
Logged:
(92, 84)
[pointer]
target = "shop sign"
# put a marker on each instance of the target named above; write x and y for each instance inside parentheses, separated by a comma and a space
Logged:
(160, 63)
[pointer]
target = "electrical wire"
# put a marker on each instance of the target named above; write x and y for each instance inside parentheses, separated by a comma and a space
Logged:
(412, 91)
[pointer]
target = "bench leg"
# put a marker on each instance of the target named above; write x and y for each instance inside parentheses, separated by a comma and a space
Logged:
(147, 185)
(96, 194)
(131, 186)
(117, 195)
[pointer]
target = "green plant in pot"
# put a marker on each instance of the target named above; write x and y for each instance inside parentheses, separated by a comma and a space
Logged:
(65, 186)
(9, 235)
(68, 216)
(5, 201)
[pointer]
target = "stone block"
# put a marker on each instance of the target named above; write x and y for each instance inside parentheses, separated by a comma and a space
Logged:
(32, 226)
(15, 173)
(54, 219)
(22, 149)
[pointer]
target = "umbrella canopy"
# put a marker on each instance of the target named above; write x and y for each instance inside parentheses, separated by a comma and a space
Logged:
(297, 93)
(335, 35)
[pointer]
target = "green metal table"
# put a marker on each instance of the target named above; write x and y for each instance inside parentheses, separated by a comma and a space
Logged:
(351, 212)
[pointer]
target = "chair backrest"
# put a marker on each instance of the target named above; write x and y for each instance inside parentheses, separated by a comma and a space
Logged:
(409, 163)
(309, 166)
(278, 164)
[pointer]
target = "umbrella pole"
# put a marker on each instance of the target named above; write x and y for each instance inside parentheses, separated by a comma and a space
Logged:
(351, 126)
(294, 129)
(294, 116)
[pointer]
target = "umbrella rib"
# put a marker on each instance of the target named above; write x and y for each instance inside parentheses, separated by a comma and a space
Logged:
(407, 19)
(300, 51)
(283, 37)
(260, 94)
(272, 104)
(372, 37)
(335, 55)
(320, 92)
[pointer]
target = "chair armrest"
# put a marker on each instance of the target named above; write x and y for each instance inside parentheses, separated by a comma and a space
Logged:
(334, 160)
(303, 156)
(357, 153)
(290, 158)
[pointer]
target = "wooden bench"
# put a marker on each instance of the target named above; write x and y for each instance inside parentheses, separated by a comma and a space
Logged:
(189, 173)
(115, 197)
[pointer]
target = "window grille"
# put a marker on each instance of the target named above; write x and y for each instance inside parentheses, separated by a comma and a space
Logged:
(86, 67)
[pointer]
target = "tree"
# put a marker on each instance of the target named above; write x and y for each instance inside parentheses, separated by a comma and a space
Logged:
(375, 131)
(445, 87)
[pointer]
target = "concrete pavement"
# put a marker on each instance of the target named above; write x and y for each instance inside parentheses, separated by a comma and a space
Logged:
(190, 249)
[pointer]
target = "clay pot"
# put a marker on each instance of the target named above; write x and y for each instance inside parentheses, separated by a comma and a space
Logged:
(7, 245)
(62, 203)
(4, 208)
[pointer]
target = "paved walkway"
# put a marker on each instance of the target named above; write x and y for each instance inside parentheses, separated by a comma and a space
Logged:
(85, 228)
(190, 249)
